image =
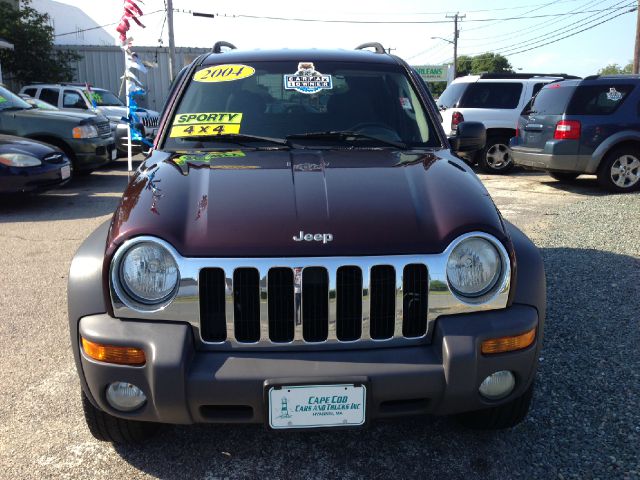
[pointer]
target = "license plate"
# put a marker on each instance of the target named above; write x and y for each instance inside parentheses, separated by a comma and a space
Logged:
(65, 172)
(114, 154)
(316, 406)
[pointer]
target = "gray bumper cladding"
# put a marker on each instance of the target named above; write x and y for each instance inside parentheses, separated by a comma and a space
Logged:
(185, 386)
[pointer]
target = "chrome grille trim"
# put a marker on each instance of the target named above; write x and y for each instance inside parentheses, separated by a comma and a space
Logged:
(441, 301)
(104, 129)
(150, 120)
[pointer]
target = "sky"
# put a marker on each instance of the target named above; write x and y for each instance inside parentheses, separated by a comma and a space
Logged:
(488, 26)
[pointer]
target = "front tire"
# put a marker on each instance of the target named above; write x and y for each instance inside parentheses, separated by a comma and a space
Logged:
(504, 416)
(620, 170)
(107, 428)
(496, 157)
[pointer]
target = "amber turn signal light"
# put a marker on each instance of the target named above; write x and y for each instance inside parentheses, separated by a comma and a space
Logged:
(113, 354)
(508, 344)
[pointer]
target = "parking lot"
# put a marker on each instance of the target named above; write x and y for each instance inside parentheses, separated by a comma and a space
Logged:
(585, 420)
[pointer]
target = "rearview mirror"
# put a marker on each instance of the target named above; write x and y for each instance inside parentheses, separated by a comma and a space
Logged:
(470, 136)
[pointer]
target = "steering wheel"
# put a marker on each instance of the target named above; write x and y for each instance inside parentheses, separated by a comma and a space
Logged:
(376, 129)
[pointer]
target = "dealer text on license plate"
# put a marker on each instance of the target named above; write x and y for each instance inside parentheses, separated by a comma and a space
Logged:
(314, 406)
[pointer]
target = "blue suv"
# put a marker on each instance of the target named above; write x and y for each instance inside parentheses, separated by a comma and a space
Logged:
(584, 126)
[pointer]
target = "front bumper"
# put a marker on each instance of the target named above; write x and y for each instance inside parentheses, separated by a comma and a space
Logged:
(32, 179)
(92, 153)
(184, 385)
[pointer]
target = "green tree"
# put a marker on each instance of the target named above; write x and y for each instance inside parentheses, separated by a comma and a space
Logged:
(34, 58)
(615, 69)
(484, 63)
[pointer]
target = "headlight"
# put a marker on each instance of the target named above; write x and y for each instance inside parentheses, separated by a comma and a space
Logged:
(85, 131)
(148, 273)
(474, 267)
(19, 160)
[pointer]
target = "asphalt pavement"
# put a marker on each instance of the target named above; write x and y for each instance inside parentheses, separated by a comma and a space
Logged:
(584, 423)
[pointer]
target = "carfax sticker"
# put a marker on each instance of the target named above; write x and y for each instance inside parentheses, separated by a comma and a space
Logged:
(307, 80)
(614, 95)
(205, 123)
(224, 73)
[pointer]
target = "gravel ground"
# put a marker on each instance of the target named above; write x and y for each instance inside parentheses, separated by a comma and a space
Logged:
(585, 421)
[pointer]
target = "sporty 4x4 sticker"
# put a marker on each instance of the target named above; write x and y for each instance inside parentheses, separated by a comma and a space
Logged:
(307, 80)
(206, 123)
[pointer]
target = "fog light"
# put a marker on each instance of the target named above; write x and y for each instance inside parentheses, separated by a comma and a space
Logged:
(497, 385)
(125, 397)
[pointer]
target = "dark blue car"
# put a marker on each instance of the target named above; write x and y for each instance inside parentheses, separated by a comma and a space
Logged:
(29, 166)
(584, 126)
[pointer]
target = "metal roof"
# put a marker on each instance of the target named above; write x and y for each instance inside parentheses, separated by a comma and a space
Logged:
(307, 55)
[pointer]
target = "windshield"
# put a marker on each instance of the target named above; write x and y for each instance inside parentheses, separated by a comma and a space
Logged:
(103, 98)
(301, 100)
(11, 100)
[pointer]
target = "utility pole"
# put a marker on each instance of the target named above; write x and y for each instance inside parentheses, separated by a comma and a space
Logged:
(456, 34)
(636, 52)
(172, 43)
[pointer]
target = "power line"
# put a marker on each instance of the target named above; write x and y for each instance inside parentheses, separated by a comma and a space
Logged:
(75, 32)
(573, 34)
(525, 13)
(544, 23)
(580, 24)
(388, 22)
(542, 36)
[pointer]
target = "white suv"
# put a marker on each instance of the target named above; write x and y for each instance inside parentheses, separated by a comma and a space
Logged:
(496, 100)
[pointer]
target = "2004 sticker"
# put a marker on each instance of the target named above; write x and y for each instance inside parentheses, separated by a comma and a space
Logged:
(206, 123)
(224, 73)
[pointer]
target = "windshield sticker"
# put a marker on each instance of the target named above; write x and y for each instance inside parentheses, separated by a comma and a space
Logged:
(406, 103)
(204, 124)
(307, 80)
(2, 99)
(203, 160)
(614, 95)
(223, 73)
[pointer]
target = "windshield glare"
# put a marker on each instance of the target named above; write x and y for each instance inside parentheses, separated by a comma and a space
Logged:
(104, 98)
(9, 100)
(280, 99)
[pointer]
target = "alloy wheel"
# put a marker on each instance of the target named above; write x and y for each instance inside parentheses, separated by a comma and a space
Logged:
(625, 171)
(499, 156)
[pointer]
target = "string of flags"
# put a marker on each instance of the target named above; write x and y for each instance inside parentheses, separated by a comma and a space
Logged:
(135, 88)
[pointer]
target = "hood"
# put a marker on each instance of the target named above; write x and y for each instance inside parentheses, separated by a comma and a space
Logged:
(253, 203)
(122, 112)
(63, 114)
(11, 144)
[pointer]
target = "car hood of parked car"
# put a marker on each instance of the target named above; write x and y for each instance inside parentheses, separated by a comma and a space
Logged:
(253, 203)
(60, 115)
(12, 144)
(113, 112)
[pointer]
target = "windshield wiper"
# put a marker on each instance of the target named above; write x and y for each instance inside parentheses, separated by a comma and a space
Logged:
(238, 138)
(344, 135)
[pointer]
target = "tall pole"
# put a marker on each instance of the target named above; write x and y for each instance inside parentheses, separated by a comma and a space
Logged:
(636, 52)
(456, 34)
(172, 43)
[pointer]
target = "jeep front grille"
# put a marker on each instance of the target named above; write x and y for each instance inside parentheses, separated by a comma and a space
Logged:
(312, 302)
(307, 303)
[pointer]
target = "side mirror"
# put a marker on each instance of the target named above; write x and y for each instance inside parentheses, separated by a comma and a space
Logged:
(470, 137)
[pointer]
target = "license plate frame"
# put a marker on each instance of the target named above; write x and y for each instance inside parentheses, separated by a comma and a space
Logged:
(328, 413)
(65, 172)
(113, 154)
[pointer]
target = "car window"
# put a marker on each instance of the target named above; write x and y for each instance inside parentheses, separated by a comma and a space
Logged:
(451, 95)
(9, 100)
(536, 88)
(278, 99)
(103, 98)
(30, 91)
(72, 99)
(491, 95)
(50, 95)
(598, 99)
(551, 100)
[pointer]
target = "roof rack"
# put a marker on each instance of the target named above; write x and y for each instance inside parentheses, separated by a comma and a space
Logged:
(378, 47)
(217, 48)
(527, 75)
